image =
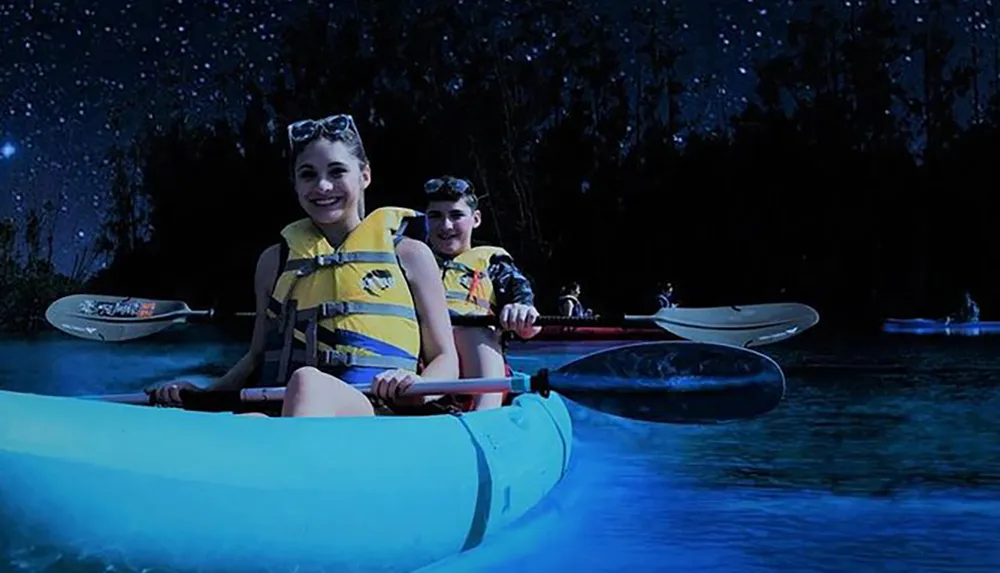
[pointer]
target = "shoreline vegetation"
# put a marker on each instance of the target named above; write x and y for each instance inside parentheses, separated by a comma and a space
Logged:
(828, 186)
(29, 281)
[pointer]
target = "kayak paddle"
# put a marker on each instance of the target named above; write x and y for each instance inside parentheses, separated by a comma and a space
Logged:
(677, 382)
(751, 325)
(116, 319)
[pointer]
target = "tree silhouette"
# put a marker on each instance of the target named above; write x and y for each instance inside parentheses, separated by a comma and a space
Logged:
(834, 186)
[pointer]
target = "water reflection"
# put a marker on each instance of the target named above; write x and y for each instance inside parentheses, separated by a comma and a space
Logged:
(882, 457)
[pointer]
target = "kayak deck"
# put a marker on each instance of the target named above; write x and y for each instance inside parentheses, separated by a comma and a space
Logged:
(177, 489)
(930, 326)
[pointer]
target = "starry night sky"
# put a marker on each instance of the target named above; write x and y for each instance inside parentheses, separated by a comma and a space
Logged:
(65, 65)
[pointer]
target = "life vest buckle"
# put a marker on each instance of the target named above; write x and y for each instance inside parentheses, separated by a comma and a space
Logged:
(329, 260)
(334, 358)
(331, 309)
(320, 261)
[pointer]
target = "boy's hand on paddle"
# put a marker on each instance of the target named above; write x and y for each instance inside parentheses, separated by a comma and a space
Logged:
(520, 319)
(168, 394)
(391, 384)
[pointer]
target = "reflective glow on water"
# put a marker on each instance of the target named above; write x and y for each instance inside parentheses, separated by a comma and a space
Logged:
(883, 457)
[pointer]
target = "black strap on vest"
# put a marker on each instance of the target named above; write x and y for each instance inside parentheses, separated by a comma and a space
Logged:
(282, 259)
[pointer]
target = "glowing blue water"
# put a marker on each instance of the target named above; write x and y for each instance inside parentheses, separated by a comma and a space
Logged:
(883, 458)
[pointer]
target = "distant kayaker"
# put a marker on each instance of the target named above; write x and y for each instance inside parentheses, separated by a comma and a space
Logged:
(969, 311)
(666, 297)
(478, 280)
(343, 301)
(569, 301)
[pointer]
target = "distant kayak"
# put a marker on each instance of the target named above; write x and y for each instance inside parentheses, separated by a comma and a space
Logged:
(173, 489)
(931, 326)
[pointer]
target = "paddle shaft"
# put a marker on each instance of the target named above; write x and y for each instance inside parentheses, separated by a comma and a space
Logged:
(114, 319)
(567, 321)
(225, 400)
(470, 320)
(194, 316)
(624, 321)
(665, 382)
(735, 332)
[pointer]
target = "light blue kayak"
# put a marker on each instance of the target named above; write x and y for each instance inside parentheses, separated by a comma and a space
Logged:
(930, 326)
(164, 488)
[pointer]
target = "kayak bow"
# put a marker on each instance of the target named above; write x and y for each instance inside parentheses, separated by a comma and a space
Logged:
(175, 489)
(179, 490)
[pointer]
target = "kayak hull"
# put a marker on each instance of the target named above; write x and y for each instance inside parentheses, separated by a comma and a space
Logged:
(186, 490)
(939, 327)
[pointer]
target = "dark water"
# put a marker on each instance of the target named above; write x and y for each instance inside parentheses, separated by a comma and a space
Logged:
(885, 456)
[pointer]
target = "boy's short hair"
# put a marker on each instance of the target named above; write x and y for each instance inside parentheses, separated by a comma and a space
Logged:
(448, 188)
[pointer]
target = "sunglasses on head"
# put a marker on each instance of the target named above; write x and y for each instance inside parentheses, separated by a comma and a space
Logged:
(460, 186)
(335, 126)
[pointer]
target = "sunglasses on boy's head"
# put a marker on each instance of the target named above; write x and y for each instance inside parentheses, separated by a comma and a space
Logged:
(460, 186)
(335, 126)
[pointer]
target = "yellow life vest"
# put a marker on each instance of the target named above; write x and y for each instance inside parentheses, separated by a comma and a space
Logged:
(467, 282)
(347, 311)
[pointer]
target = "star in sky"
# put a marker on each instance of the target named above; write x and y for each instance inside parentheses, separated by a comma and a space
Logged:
(68, 65)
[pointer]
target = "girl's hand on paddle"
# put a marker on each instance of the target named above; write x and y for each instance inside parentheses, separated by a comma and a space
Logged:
(391, 384)
(520, 319)
(168, 394)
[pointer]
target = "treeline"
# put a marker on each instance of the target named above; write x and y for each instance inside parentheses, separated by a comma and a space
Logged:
(29, 280)
(836, 186)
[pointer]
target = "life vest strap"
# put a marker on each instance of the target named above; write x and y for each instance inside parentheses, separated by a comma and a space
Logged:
(311, 332)
(454, 266)
(306, 267)
(331, 309)
(287, 320)
(336, 359)
(465, 297)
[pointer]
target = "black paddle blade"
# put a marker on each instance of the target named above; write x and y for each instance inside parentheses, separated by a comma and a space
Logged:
(674, 381)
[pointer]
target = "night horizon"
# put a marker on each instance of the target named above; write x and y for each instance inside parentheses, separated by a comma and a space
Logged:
(724, 67)
(689, 113)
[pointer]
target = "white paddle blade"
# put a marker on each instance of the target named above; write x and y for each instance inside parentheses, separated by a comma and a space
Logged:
(113, 318)
(747, 326)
